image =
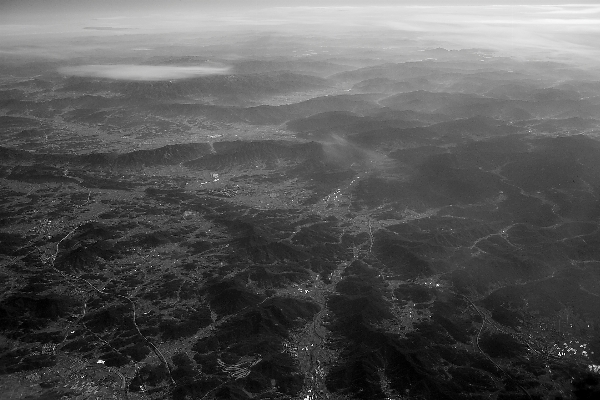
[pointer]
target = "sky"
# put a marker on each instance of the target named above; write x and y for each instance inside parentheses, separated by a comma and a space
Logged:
(554, 27)
(12, 11)
(13, 7)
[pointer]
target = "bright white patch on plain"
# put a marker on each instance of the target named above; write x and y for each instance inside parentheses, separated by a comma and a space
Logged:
(132, 72)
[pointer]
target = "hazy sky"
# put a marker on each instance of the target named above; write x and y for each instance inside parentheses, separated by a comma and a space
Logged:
(11, 10)
(551, 27)
(24, 6)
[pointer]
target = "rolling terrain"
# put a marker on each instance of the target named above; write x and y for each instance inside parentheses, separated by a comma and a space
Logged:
(324, 224)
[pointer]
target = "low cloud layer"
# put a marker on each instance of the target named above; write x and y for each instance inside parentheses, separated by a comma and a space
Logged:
(132, 72)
